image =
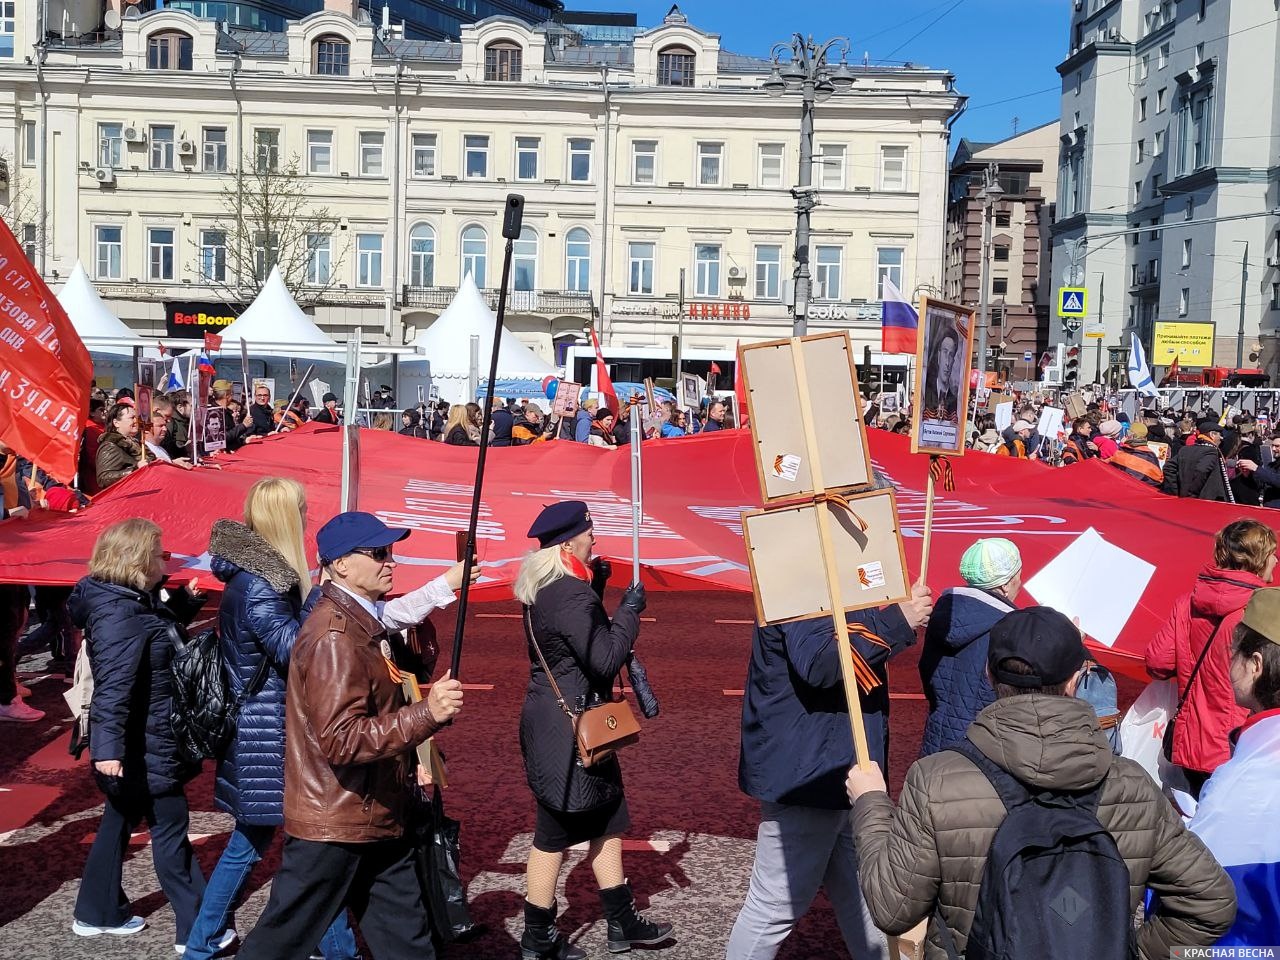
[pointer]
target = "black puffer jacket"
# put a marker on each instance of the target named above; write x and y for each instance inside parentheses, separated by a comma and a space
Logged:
(131, 645)
(1197, 471)
(585, 651)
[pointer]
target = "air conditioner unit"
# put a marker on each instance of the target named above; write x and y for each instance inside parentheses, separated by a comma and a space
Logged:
(186, 148)
(133, 134)
(104, 175)
(734, 272)
(1113, 34)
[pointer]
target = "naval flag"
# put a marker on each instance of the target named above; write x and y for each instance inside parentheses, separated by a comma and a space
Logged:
(1139, 372)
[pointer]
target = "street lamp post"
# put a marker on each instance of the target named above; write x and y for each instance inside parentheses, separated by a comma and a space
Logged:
(991, 192)
(808, 73)
(1244, 292)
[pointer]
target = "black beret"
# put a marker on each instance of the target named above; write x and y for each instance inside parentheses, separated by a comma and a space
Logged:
(560, 522)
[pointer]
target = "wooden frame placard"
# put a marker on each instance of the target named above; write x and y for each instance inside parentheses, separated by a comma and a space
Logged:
(772, 374)
(941, 396)
(788, 570)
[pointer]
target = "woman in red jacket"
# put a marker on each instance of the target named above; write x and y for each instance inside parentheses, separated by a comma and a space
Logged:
(1244, 558)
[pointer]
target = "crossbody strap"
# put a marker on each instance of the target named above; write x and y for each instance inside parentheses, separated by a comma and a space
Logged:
(249, 690)
(555, 687)
(1213, 635)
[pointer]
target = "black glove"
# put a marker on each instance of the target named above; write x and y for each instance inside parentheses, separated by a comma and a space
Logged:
(602, 570)
(640, 684)
(635, 598)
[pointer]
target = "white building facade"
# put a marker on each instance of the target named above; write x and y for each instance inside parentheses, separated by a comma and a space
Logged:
(640, 164)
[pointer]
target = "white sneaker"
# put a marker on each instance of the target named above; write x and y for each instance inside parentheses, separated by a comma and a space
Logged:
(227, 939)
(130, 926)
(18, 712)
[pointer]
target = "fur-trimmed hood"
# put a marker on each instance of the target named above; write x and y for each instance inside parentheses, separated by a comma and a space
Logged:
(235, 547)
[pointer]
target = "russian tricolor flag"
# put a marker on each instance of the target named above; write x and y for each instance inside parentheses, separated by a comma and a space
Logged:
(899, 322)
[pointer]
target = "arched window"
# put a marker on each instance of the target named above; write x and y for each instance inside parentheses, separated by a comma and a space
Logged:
(577, 260)
(331, 56)
(524, 260)
(475, 254)
(170, 50)
(503, 61)
(422, 256)
(676, 67)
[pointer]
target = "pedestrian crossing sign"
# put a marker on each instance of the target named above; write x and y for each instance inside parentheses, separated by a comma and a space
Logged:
(1072, 301)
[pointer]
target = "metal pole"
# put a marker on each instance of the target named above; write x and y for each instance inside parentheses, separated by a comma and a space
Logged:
(1244, 289)
(679, 357)
(637, 507)
(984, 306)
(804, 203)
(1102, 301)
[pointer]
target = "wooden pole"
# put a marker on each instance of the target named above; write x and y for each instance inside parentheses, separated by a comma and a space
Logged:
(822, 512)
(927, 533)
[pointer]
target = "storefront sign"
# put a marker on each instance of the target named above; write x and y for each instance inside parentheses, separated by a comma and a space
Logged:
(1190, 343)
(190, 321)
(646, 310)
(732, 310)
(828, 311)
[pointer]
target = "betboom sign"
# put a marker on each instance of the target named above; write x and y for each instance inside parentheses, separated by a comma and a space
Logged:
(191, 321)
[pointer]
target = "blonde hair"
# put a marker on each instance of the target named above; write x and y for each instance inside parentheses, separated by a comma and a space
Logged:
(540, 569)
(458, 417)
(122, 553)
(273, 510)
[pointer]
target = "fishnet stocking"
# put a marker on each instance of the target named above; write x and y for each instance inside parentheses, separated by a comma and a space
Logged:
(541, 873)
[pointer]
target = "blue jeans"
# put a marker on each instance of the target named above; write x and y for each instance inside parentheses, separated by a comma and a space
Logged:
(245, 848)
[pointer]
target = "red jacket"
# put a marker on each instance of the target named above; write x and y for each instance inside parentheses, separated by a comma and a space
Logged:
(1212, 609)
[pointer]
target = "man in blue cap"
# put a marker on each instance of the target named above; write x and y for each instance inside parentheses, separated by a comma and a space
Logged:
(349, 742)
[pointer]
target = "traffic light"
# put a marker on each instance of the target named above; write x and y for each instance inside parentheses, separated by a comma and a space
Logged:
(1071, 370)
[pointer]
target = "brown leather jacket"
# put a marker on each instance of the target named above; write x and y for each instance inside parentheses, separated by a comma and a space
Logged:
(349, 735)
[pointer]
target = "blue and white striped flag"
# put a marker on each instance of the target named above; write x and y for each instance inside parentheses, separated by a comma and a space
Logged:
(1139, 372)
(175, 378)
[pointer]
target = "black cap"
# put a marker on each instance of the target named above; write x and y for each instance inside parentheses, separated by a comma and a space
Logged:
(1208, 426)
(330, 397)
(1043, 638)
(560, 522)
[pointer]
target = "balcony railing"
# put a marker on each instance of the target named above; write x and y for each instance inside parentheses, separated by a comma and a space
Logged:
(570, 302)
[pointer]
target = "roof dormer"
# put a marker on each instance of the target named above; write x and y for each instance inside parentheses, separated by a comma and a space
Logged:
(330, 44)
(503, 50)
(168, 40)
(677, 54)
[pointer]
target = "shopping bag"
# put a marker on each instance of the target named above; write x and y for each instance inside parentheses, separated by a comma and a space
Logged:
(1142, 733)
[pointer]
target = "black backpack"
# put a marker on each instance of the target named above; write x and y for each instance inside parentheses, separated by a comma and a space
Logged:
(1055, 885)
(204, 713)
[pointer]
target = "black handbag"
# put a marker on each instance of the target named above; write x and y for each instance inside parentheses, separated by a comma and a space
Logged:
(437, 859)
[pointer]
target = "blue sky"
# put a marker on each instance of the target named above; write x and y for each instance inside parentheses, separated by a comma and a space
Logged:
(997, 49)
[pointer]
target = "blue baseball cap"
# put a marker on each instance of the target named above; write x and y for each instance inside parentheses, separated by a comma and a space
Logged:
(353, 530)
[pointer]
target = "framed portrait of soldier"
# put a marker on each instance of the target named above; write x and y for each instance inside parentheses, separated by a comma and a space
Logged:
(941, 396)
(215, 433)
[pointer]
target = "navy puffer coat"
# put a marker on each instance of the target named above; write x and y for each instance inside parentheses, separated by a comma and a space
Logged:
(260, 615)
(953, 662)
(131, 636)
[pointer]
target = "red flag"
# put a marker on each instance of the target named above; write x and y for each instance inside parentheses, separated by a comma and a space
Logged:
(45, 370)
(212, 341)
(603, 383)
(1171, 374)
(740, 391)
(163, 351)
(715, 368)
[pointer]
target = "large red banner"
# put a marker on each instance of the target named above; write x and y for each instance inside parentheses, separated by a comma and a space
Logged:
(695, 489)
(45, 370)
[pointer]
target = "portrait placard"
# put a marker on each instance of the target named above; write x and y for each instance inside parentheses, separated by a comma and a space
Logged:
(942, 389)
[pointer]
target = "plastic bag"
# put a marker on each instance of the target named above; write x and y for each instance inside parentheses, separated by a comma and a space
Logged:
(1142, 733)
(437, 856)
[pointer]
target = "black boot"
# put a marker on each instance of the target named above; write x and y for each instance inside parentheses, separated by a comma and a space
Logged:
(627, 926)
(541, 940)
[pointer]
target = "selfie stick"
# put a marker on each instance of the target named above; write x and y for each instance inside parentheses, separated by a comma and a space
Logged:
(511, 223)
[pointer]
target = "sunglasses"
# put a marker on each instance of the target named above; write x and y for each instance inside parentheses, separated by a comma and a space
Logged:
(380, 554)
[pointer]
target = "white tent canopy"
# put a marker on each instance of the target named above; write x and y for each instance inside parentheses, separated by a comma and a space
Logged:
(90, 316)
(274, 319)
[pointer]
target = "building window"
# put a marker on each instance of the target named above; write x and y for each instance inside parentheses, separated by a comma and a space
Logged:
(710, 168)
(644, 162)
(108, 253)
(579, 160)
(266, 253)
(503, 62)
(1155, 185)
(422, 256)
(1139, 149)
(769, 174)
(893, 168)
(160, 253)
(527, 150)
(640, 269)
(999, 286)
(1002, 219)
(768, 271)
(827, 273)
(320, 151)
(29, 143)
(1137, 191)
(1144, 67)
(8, 27)
(1157, 144)
(170, 50)
(266, 150)
(368, 259)
(888, 267)
(1186, 253)
(830, 163)
(1001, 253)
(1133, 274)
(1153, 270)
(1275, 296)
(676, 67)
(1154, 234)
(524, 261)
(1184, 301)
(1195, 132)
(1071, 182)
(319, 259)
(424, 155)
(475, 161)
(213, 256)
(475, 254)
(706, 269)
(371, 149)
(1160, 99)
(111, 145)
(162, 148)
(29, 241)
(577, 259)
(331, 56)
(1190, 211)
(1163, 59)
(215, 149)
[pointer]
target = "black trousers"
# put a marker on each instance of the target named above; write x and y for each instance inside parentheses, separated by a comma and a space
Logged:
(316, 880)
(14, 599)
(101, 900)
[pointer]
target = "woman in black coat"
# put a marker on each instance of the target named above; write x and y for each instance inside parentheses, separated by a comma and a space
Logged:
(566, 623)
(131, 633)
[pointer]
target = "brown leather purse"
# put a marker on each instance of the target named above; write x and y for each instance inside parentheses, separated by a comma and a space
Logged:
(600, 731)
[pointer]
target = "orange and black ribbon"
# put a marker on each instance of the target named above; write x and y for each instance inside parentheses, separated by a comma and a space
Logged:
(941, 472)
(867, 679)
(840, 501)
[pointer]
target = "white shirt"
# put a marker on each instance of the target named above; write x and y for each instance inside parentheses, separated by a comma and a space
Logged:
(409, 610)
(160, 452)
